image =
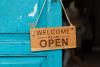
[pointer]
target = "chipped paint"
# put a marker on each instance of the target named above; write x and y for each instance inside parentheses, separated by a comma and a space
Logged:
(32, 14)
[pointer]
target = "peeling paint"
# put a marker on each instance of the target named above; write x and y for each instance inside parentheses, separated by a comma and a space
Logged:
(32, 14)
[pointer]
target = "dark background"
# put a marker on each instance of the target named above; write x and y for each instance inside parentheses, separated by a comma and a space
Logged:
(90, 49)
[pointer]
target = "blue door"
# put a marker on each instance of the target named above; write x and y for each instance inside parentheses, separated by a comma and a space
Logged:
(15, 19)
(23, 61)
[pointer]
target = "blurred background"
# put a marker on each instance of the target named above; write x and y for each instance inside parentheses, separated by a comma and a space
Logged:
(85, 15)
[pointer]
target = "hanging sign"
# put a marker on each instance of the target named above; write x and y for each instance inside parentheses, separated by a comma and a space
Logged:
(53, 38)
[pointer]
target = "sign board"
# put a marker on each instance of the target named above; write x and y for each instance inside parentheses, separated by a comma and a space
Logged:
(53, 38)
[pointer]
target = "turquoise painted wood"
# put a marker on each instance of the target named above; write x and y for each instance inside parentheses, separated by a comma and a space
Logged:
(15, 19)
(22, 61)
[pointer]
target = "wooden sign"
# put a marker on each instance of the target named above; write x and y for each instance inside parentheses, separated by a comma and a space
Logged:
(53, 38)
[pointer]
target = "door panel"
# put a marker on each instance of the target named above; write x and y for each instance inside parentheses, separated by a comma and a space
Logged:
(15, 19)
(22, 61)
(16, 15)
